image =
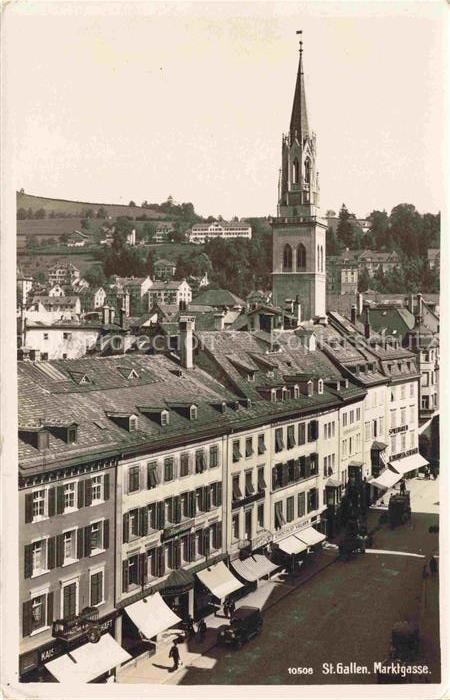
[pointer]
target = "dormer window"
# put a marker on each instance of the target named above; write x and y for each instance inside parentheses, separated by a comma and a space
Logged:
(72, 434)
(165, 418)
(273, 395)
(126, 421)
(320, 386)
(296, 391)
(309, 388)
(251, 377)
(285, 393)
(193, 413)
(42, 440)
(132, 424)
(270, 373)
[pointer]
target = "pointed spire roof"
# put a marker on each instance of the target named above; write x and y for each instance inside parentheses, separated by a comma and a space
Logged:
(299, 118)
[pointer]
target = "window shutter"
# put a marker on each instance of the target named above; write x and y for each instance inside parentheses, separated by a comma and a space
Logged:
(105, 534)
(87, 492)
(80, 543)
(307, 466)
(191, 546)
(207, 497)
(274, 478)
(177, 509)
(59, 500)
(170, 550)
(143, 521)
(161, 515)
(192, 504)
(28, 507)
(219, 494)
(284, 474)
(51, 553)
(126, 527)
(142, 559)
(26, 618)
(106, 487)
(87, 540)
(59, 550)
(125, 576)
(50, 608)
(80, 494)
(51, 502)
(162, 562)
(28, 560)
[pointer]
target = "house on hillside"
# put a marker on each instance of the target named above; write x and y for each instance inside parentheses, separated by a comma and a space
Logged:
(63, 272)
(56, 291)
(169, 292)
(163, 232)
(164, 269)
(434, 258)
(200, 233)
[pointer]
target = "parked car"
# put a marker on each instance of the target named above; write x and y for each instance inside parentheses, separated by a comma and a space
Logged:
(246, 623)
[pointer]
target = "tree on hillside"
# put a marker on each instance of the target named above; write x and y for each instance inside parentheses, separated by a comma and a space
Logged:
(406, 228)
(431, 230)
(131, 203)
(95, 276)
(149, 264)
(345, 228)
(381, 230)
(22, 214)
(148, 231)
(102, 213)
(332, 242)
(40, 214)
(363, 280)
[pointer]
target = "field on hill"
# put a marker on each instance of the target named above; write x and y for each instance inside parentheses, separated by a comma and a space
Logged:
(47, 228)
(32, 264)
(63, 207)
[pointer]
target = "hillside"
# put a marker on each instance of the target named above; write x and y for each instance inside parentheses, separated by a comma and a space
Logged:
(68, 208)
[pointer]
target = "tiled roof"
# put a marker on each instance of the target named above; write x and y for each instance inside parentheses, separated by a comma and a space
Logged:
(218, 297)
(161, 285)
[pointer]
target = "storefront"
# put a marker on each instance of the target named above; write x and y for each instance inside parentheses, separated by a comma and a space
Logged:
(291, 549)
(218, 583)
(34, 664)
(254, 568)
(152, 617)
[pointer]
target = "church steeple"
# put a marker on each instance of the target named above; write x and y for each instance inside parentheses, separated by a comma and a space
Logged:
(299, 119)
(299, 190)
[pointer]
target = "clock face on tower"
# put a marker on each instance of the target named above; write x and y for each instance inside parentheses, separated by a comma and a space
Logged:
(299, 236)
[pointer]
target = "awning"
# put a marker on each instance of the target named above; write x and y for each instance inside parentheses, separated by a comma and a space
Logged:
(151, 615)
(292, 545)
(219, 580)
(335, 483)
(385, 480)
(311, 536)
(88, 661)
(408, 464)
(254, 567)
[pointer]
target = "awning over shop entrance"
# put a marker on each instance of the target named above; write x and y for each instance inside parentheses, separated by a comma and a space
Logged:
(219, 580)
(292, 545)
(310, 536)
(408, 464)
(151, 615)
(88, 661)
(254, 567)
(386, 480)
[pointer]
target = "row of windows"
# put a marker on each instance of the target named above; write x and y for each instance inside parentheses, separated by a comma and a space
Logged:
(249, 447)
(46, 554)
(399, 443)
(373, 428)
(158, 561)
(402, 416)
(48, 501)
(171, 468)
(295, 470)
(38, 612)
(248, 522)
(295, 507)
(329, 463)
(351, 446)
(399, 392)
(329, 430)
(350, 417)
(306, 432)
(249, 486)
(153, 517)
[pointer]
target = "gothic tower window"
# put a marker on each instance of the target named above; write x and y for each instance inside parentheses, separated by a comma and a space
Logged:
(321, 258)
(301, 257)
(308, 171)
(295, 172)
(287, 258)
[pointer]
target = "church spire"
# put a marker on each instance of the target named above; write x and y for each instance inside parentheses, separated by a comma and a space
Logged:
(299, 118)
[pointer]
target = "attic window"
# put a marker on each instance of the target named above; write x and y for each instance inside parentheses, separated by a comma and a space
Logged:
(270, 373)
(285, 393)
(296, 392)
(42, 440)
(193, 413)
(309, 388)
(132, 424)
(273, 395)
(320, 386)
(165, 418)
(85, 380)
(133, 374)
(251, 376)
(72, 434)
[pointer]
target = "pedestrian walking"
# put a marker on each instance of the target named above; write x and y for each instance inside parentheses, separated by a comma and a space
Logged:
(433, 565)
(402, 487)
(174, 654)
(201, 630)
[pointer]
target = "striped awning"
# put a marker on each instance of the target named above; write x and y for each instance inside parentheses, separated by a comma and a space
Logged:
(253, 568)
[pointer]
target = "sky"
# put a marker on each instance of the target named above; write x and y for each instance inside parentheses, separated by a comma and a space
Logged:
(112, 102)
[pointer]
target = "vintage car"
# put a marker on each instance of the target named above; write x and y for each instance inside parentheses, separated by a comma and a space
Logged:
(84, 624)
(399, 510)
(245, 624)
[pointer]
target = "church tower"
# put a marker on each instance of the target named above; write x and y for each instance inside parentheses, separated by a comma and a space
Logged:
(299, 236)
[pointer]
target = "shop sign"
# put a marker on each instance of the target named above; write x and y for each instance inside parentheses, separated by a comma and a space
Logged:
(56, 649)
(290, 530)
(51, 652)
(177, 529)
(261, 540)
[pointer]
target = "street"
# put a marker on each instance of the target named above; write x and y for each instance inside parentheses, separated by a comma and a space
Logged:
(344, 614)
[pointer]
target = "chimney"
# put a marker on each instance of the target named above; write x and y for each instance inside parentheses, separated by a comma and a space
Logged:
(186, 326)
(298, 310)
(419, 309)
(367, 331)
(359, 303)
(219, 321)
(411, 303)
(353, 314)
(112, 313)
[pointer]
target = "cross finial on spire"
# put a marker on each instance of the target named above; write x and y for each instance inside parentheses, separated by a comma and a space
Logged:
(300, 31)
